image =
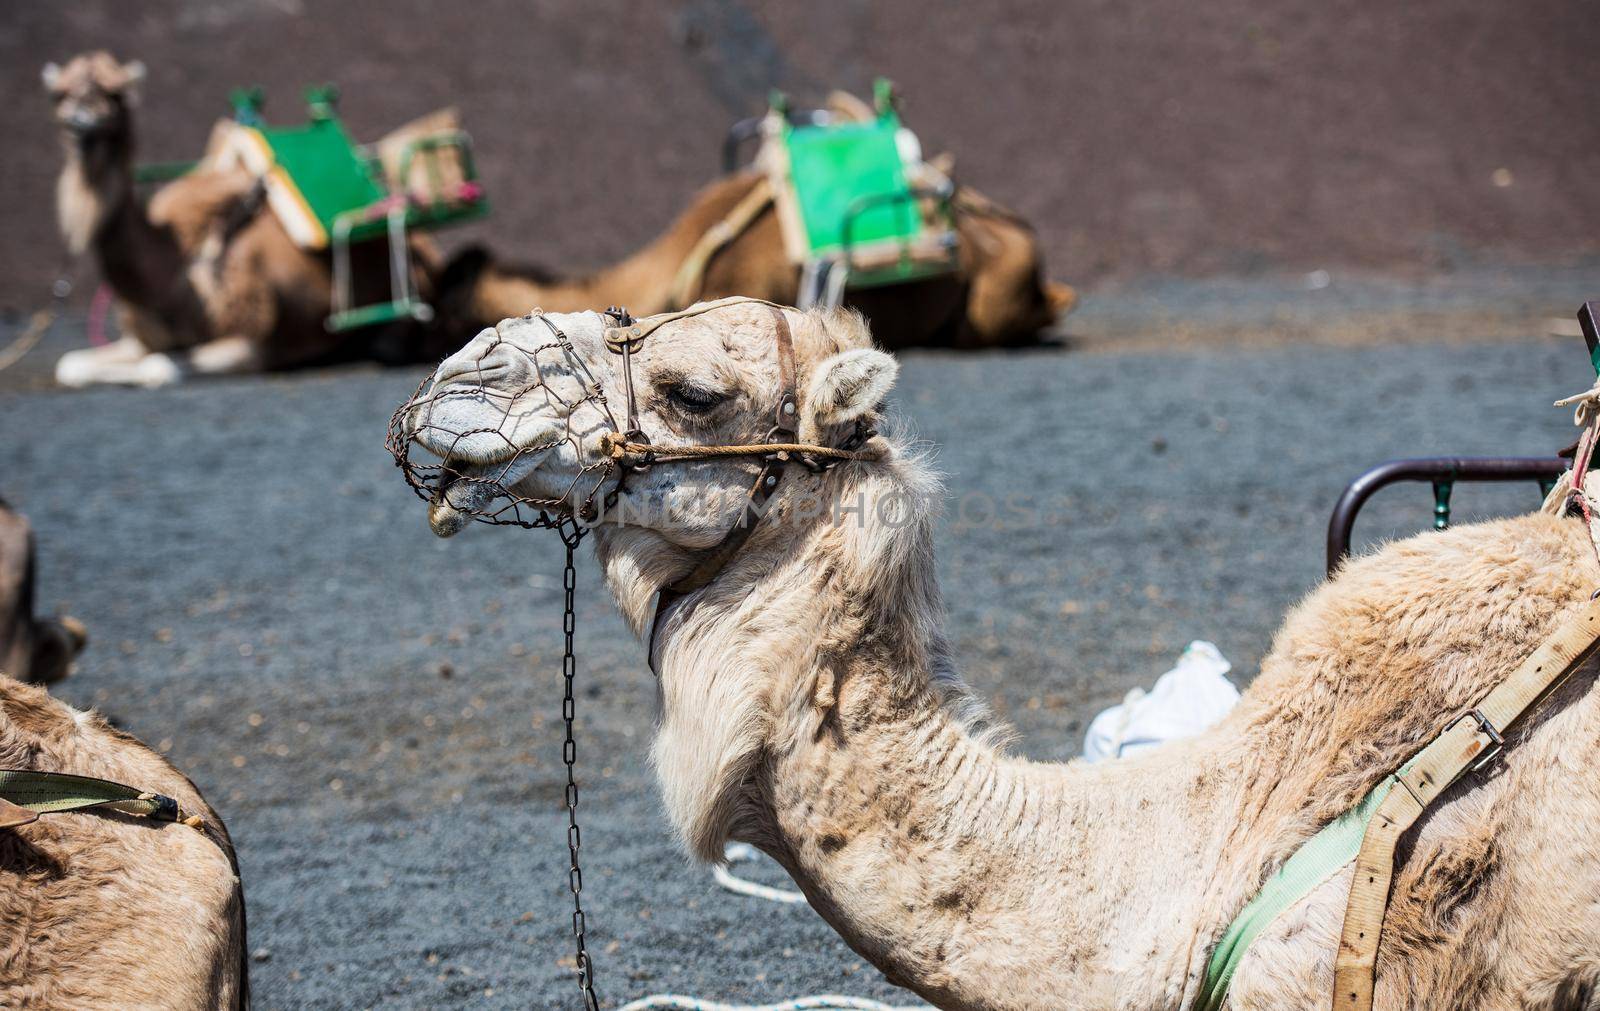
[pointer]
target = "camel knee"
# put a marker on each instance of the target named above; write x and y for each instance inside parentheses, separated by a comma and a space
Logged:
(226, 356)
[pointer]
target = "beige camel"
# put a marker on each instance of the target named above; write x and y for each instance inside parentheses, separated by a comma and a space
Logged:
(811, 706)
(40, 650)
(997, 298)
(104, 910)
(206, 283)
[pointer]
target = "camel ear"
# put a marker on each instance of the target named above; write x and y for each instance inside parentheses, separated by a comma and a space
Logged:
(849, 384)
(50, 75)
(132, 76)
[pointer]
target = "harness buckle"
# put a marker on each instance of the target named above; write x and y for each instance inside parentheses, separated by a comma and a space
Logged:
(1497, 743)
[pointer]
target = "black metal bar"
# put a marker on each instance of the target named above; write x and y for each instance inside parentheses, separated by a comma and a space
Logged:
(748, 129)
(1591, 333)
(1441, 472)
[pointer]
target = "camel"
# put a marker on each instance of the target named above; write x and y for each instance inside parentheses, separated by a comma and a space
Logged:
(206, 283)
(106, 910)
(998, 297)
(39, 650)
(811, 706)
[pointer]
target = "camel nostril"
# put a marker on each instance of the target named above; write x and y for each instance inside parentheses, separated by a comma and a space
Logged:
(485, 371)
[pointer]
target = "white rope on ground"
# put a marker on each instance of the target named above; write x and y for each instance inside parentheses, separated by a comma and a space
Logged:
(738, 853)
(30, 337)
(821, 1002)
(735, 853)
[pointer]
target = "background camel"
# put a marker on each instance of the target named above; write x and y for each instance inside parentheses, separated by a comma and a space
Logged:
(206, 281)
(810, 706)
(998, 297)
(33, 649)
(105, 910)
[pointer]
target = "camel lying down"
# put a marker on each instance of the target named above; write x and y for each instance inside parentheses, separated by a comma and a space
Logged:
(105, 910)
(811, 706)
(34, 649)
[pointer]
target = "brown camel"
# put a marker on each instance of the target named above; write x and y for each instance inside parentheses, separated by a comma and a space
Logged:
(998, 297)
(811, 703)
(105, 910)
(206, 282)
(40, 650)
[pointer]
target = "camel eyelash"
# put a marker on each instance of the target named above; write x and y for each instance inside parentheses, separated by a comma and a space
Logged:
(694, 399)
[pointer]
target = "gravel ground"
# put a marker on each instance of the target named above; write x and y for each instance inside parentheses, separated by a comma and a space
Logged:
(376, 712)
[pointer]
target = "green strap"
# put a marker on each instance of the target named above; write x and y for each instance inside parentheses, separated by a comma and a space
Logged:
(1317, 860)
(51, 792)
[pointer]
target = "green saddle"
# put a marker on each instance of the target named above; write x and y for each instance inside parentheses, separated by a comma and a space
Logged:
(854, 200)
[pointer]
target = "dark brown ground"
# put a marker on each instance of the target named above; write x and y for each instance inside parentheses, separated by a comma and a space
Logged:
(1231, 136)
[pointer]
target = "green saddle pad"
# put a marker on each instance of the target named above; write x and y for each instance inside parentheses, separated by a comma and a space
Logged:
(314, 175)
(839, 168)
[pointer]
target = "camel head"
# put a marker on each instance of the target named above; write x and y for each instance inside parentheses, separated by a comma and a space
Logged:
(521, 419)
(92, 95)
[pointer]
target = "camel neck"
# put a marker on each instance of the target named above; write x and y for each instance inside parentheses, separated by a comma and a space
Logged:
(100, 213)
(811, 707)
(937, 855)
(95, 190)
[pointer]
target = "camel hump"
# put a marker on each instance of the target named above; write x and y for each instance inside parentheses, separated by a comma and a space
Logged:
(193, 203)
(149, 914)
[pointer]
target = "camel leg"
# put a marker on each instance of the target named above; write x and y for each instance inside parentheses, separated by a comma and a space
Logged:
(126, 362)
(225, 356)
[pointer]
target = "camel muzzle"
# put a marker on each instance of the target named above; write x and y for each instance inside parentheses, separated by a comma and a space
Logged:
(490, 417)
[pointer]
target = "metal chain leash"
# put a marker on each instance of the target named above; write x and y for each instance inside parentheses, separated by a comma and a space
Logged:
(571, 535)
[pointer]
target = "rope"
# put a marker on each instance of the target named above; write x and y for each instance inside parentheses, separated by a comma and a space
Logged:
(1586, 415)
(741, 853)
(39, 325)
(736, 853)
(29, 339)
(618, 448)
(820, 1002)
(99, 309)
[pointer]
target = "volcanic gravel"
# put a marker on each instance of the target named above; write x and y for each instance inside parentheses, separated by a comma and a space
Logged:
(376, 712)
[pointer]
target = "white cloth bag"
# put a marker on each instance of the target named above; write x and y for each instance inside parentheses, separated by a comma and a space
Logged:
(1191, 697)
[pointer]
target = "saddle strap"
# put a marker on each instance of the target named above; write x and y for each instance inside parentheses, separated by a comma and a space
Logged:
(687, 283)
(26, 794)
(1473, 739)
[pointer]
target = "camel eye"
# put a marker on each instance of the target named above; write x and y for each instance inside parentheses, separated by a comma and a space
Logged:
(694, 399)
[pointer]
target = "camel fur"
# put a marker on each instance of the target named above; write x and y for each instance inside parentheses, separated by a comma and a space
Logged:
(811, 705)
(103, 910)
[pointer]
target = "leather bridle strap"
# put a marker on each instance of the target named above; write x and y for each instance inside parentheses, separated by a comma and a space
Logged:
(767, 480)
(1467, 743)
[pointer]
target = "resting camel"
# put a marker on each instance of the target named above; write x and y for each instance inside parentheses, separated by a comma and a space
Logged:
(107, 910)
(997, 298)
(206, 281)
(40, 650)
(811, 706)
